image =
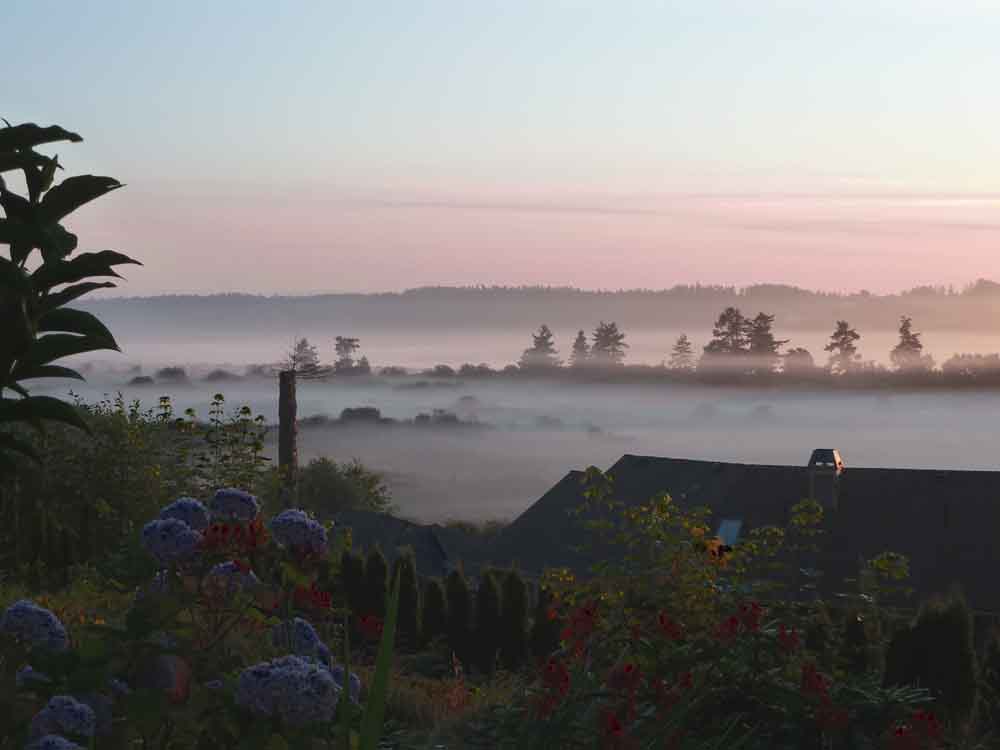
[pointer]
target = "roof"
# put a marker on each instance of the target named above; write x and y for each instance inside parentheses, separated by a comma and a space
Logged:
(941, 520)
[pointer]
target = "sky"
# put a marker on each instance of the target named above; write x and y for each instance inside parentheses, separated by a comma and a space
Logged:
(302, 147)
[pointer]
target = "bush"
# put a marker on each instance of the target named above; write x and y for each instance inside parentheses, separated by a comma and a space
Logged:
(513, 621)
(434, 612)
(172, 374)
(487, 617)
(989, 680)
(326, 488)
(376, 580)
(352, 576)
(408, 628)
(545, 627)
(459, 615)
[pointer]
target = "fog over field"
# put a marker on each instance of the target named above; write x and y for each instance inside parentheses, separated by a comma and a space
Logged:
(531, 434)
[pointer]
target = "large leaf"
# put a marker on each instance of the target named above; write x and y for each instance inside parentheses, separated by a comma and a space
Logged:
(75, 321)
(371, 725)
(56, 242)
(72, 193)
(83, 266)
(46, 371)
(30, 135)
(72, 292)
(46, 349)
(36, 408)
(13, 277)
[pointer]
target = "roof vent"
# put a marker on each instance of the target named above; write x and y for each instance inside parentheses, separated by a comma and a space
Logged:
(825, 469)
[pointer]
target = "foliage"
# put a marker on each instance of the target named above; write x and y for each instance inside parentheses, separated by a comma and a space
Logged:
(580, 353)
(682, 354)
(404, 569)
(545, 626)
(325, 488)
(907, 355)
(352, 576)
(797, 361)
(304, 360)
(36, 326)
(488, 634)
(345, 347)
(609, 345)
(542, 354)
(376, 582)
(843, 351)
(459, 600)
(762, 347)
(513, 621)
(434, 612)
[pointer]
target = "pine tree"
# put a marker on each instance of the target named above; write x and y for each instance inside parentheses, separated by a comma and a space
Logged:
(459, 615)
(376, 575)
(352, 576)
(345, 348)
(304, 360)
(728, 334)
(907, 356)
(434, 613)
(545, 627)
(609, 345)
(581, 351)
(408, 617)
(682, 355)
(542, 354)
(761, 344)
(487, 619)
(843, 353)
(513, 621)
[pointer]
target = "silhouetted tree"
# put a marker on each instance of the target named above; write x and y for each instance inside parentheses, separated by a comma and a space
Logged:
(459, 615)
(542, 354)
(545, 627)
(907, 356)
(761, 344)
(513, 621)
(434, 613)
(581, 351)
(376, 575)
(682, 355)
(408, 622)
(304, 360)
(728, 342)
(843, 353)
(345, 347)
(609, 345)
(799, 361)
(487, 617)
(363, 367)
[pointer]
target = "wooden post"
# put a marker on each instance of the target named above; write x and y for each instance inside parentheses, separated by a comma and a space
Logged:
(288, 451)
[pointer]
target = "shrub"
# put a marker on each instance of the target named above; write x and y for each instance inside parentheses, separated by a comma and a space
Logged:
(989, 680)
(172, 374)
(376, 579)
(352, 576)
(459, 615)
(487, 617)
(434, 612)
(513, 621)
(545, 627)
(326, 488)
(408, 628)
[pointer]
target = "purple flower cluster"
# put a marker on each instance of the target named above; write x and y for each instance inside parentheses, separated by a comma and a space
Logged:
(229, 578)
(298, 691)
(52, 742)
(337, 671)
(294, 528)
(230, 504)
(170, 540)
(35, 625)
(188, 510)
(64, 714)
(299, 637)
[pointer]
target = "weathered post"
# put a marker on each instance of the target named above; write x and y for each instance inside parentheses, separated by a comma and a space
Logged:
(288, 451)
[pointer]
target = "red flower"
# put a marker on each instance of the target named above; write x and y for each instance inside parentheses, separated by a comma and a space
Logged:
(671, 630)
(750, 616)
(625, 677)
(555, 677)
(370, 627)
(612, 731)
(928, 724)
(545, 705)
(788, 639)
(903, 738)
(814, 683)
(668, 695)
(581, 626)
(729, 629)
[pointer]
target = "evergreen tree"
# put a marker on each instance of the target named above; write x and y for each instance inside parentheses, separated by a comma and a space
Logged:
(542, 354)
(545, 627)
(304, 360)
(434, 613)
(761, 344)
(728, 334)
(459, 615)
(376, 575)
(682, 355)
(352, 576)
(843, 353)
(363, 367)
(609, 345)
(581, 351)
(907, 356)
(513, 621)
(798, 361)
(487, 618)
(345, 348)
(408, 617)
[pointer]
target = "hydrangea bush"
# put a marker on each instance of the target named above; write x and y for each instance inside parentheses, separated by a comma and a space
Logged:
(230, 642)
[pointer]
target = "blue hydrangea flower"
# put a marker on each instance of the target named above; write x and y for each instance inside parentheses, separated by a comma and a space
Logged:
(52, 742)
(27, 676)
(299, 637)
(296, 690)
(64, 714)
(230, 504)
(229, 578)
(354, 682)
(188, 510)
(102, 706)
(170, 541)
(35, 625)
(295, 528)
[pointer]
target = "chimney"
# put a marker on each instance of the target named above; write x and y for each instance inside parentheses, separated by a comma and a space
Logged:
(825, 468)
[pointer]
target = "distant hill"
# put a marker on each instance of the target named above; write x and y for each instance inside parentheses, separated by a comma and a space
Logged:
(469, 308)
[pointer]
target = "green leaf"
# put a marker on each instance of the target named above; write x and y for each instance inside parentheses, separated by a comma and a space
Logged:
(371, 726)
(72, 193)
(48, 371)
(10, 443)
(75, 321)
(30, 135)
(14, 277)
(36, 408)
(54, 346)
(83, 266)
(72, 292)
(55, 242)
